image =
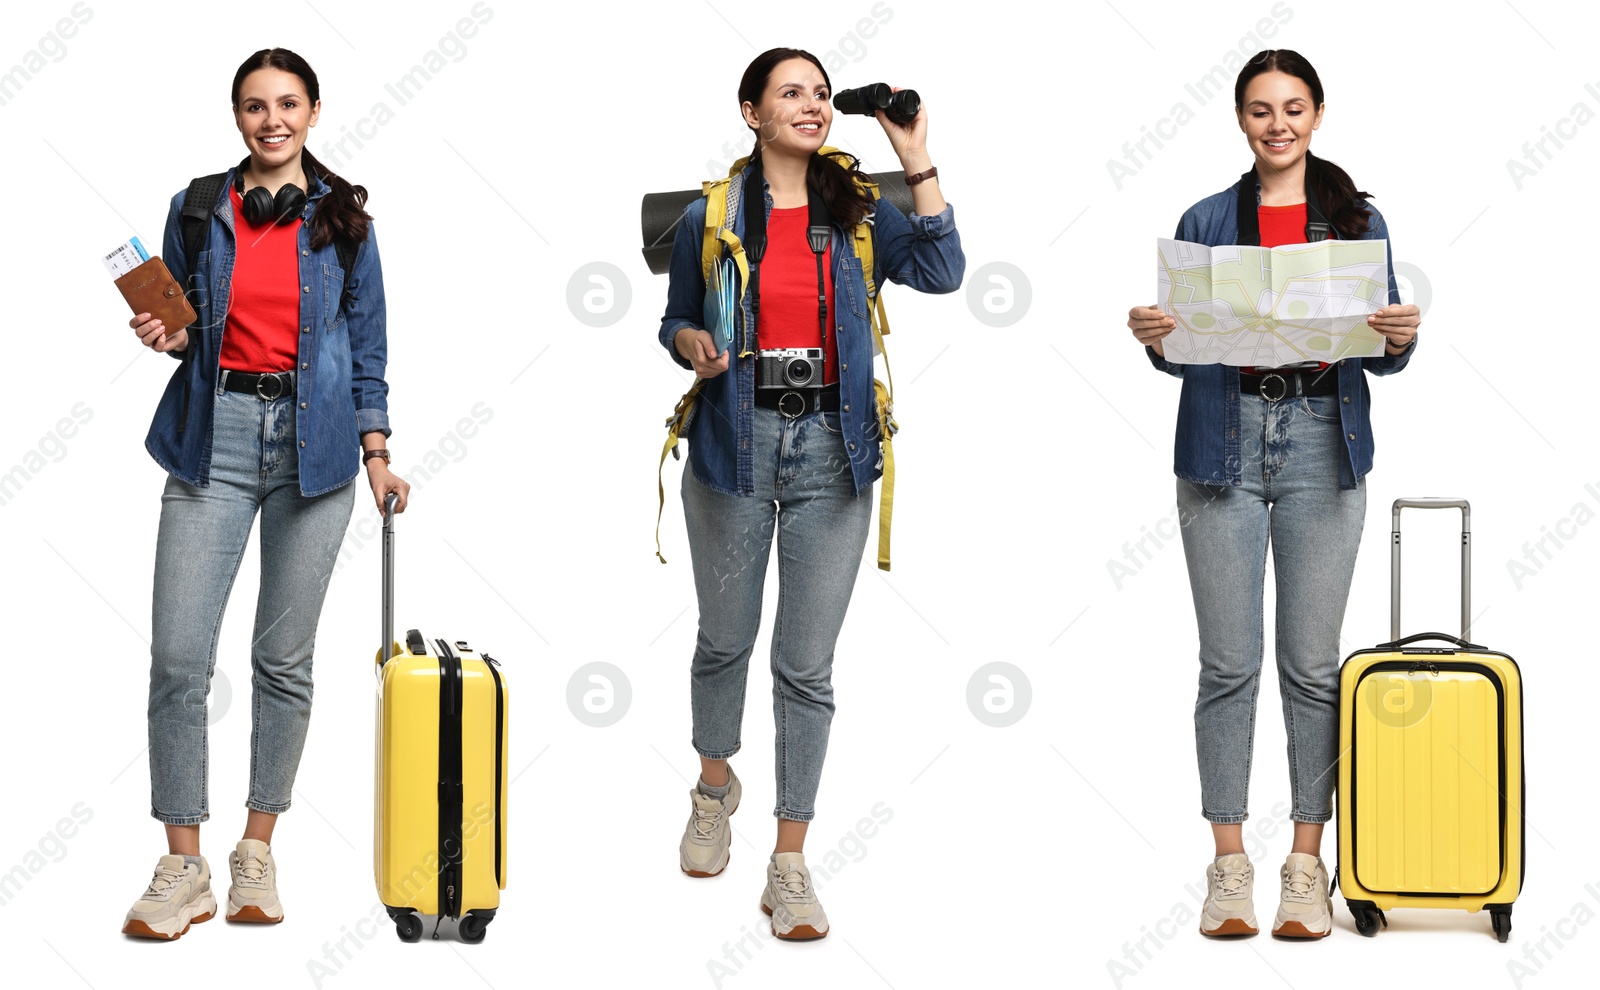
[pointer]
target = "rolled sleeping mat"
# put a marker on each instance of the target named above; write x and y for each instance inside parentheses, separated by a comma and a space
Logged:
(659, 214)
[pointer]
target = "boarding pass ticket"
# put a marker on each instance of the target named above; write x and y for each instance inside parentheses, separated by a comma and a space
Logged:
(125, 257)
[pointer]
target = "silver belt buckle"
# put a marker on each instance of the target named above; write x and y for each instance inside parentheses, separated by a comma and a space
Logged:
(798, 406)
(278, 385)
(1262, 388)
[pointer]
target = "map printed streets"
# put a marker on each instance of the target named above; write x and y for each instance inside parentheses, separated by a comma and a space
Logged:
(1243, 305)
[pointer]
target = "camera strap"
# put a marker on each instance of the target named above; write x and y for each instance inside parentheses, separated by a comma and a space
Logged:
(819, 231)
(819, 234)
(755, 242)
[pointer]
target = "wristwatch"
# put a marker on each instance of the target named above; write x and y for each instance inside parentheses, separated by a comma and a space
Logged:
(382, 452)
(912, 180)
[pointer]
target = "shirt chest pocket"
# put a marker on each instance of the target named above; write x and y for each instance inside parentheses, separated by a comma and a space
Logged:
(333, 297)
(850, 290)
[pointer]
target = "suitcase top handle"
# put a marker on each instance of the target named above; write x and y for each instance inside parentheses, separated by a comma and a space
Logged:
(387, 649)
(1466, 561)
(1420, 637)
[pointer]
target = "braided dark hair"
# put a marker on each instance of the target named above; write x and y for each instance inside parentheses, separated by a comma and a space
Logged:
(341, 213)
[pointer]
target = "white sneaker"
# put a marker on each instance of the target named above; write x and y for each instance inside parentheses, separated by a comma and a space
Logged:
(1229, 908)
(791, 900)
(1305, 911)
(703, 850)
(254, 894)
(179, 895)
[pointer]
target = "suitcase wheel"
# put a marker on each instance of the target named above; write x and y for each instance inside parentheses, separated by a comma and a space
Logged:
(1368, 917)
(407, 925)
(1501, 918)
(474, 926)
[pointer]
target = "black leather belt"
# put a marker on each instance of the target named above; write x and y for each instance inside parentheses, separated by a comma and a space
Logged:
(268, 385)
(1275, 385)
(794, 402)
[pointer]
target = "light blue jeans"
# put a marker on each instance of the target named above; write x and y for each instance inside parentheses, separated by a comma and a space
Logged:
(1290, 500)
(254, 467)
(805, 496)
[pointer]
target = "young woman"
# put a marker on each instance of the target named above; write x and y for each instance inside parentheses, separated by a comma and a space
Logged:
(791, 463)
(279, 398)
(1274, 457)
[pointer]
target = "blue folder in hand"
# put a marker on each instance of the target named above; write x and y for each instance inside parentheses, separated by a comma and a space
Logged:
(722, 303)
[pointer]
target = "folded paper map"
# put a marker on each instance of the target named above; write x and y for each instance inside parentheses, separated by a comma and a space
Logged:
(1243, 305)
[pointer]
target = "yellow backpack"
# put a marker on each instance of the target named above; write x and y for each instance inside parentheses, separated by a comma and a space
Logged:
(718, 192)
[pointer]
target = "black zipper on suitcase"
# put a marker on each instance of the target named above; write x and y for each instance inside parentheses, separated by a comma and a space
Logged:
(450, 791)
(499, 751)
(1499, 784)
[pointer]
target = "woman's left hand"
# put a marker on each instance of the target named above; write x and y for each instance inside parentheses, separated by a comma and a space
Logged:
(384, 481)
(1398, 324)
(910, 141)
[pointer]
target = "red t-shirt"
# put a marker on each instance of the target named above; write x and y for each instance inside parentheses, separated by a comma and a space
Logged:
(262, 329)
(789, 289)
(1282, 225)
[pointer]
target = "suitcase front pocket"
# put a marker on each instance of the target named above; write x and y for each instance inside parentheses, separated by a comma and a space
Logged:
(1427, 778)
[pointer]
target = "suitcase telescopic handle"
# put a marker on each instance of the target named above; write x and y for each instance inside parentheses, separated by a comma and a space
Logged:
(389, 502)
(1466, 560)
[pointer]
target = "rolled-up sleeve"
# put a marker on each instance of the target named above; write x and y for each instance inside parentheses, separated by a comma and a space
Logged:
(366, 320)
(920, 252)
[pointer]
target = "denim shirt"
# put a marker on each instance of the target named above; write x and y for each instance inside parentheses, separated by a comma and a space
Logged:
(340, 392)
(923, 253)
(1207, 447)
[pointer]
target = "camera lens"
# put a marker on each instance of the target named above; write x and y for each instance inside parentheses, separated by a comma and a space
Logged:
(798, 372)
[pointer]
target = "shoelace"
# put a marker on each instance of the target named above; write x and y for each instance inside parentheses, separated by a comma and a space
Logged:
(1230, 883)
(162, 883)
(1298, 885)
(252, 872)
(793, 886)
(705, 824)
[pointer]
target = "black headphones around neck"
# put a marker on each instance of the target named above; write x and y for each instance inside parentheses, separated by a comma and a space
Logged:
(260, 206)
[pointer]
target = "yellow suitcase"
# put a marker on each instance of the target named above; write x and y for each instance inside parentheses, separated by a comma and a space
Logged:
(439, 843)
(1431, 769)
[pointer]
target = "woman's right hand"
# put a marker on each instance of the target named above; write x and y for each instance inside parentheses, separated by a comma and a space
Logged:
(697, 347)
(152, 334)
(1149, 324)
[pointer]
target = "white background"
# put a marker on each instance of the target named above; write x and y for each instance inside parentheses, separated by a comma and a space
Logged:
(1029, 456)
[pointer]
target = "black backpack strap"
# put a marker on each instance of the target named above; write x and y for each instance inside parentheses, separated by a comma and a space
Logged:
(1317, 226)
(198, 205)
(1249, 200)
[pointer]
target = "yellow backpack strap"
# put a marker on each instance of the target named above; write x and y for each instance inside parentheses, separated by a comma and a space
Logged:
(676, 423)
(883, 396)
(719, 194)
(863, 238)
(715, 192)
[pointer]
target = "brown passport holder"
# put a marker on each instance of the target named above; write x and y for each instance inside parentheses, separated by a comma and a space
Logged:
(150, 288)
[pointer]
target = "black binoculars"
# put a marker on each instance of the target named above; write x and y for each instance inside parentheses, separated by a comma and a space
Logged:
(901, 107)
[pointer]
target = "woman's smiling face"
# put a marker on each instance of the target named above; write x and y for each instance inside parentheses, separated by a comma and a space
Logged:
(794, 114)
(274, 116)
(1277, 118)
